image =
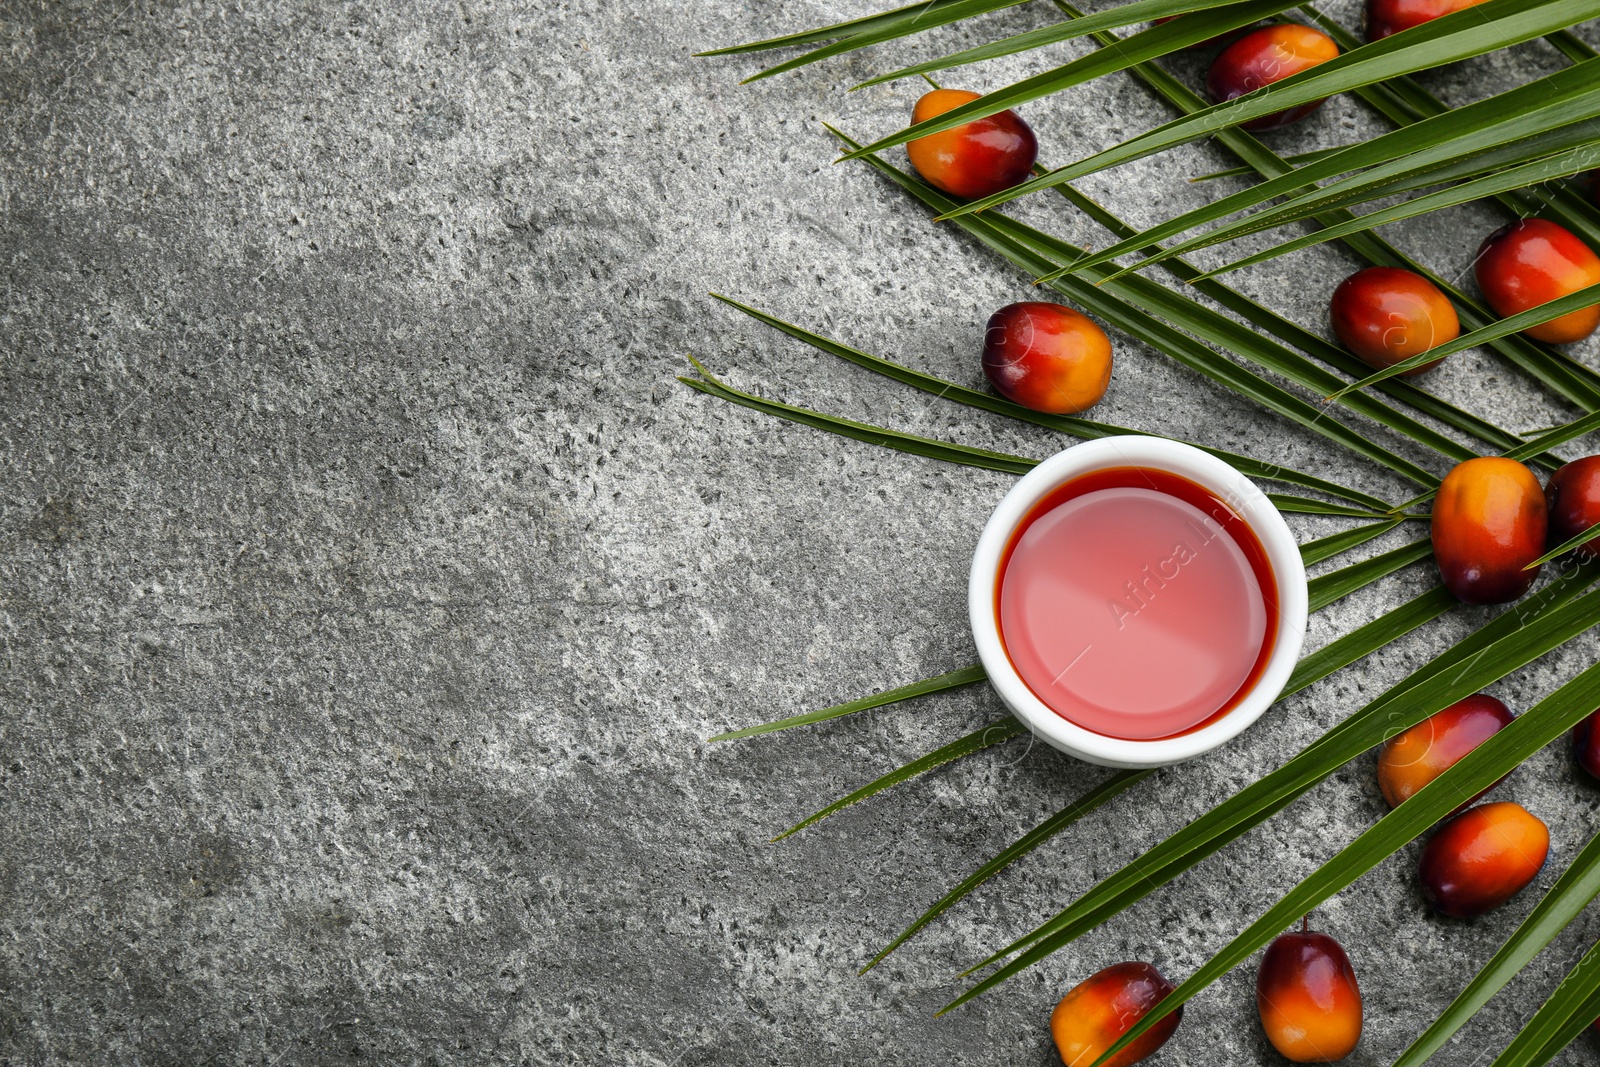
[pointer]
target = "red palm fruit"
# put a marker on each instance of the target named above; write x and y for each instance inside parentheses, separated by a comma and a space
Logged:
(1308, 998)
(1488, 524)
(1586, 744)
(1385, 315)
(1533, 262)
(1574, 496)
(1047, 357)
(1103, 1007)
(1482, 858)
(1385, 17)
(1410, 760)
(1268, 55)
(977, 158)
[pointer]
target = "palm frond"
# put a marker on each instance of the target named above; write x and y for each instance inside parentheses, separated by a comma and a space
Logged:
(1465, 33)
(938, 684)
(1577, 886)
(983, 737)
(1482, 767)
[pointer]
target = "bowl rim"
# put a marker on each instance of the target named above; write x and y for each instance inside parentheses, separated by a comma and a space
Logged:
(1186, 461)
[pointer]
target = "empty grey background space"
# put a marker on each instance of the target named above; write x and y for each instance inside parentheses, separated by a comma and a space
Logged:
(369, 585)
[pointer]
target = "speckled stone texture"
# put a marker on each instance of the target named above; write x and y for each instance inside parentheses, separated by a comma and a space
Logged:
(370, 586)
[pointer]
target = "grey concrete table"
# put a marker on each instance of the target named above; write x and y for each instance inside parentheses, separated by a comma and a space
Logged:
(369, 585)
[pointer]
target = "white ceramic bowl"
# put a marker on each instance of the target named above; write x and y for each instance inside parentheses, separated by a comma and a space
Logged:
(1251, 504)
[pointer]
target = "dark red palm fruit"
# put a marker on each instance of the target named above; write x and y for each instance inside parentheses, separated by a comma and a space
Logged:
(1385, 315)
(1489, 521)
(1574, 498)
(1047, 357)
(975, 159)
(1103, 1007)
(1308, 998)
(1269, 55)
(1533, 262)
(1586, 745)
(1386, 17)
(1410, 760)
(1482, 858)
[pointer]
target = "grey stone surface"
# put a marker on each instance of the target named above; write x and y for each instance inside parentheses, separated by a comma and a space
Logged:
(369, 585)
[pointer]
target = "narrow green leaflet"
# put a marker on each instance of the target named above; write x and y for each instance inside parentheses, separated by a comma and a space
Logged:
(1335, 544)
(1298, 337)
(1404, 101)
(1460, 35)
(860, 431)
(928, 17)
(1484, 765)
(1585, 297)
(1071, 425)
(1114, 786)
(983, 737)
(900, 16)
(1298, 159)
(1565, 547)
(1539, 624)
(1341, 583)
(1561, 99)
(1148, 44)
(1362, 642)
(937, 684)
(1341, 653)
(1486, 167)
(1306, 506)
(1557, 166)
(1570, 1010)
(1576, 887)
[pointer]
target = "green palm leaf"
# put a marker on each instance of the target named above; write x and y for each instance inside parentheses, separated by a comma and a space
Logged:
(983, 737)
(1114, 786)
(1460, 35)
(937, 684)
(1561, 99)
(949, 451)
(1147, 44)
(1559, 165)
(1298, 337)
(1028, 247)
(930, 17)
(1576, 887)
(1338, 654)
(1480, 768)
(1569, 1011)
(1072, 425)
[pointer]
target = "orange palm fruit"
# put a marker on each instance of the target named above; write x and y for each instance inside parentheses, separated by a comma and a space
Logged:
(1308, 998)
(1103, 1007)
(975, 159)
(1482, 858)
(1268, 55)
(1533, 262)
(1410, 760)
(1385, 17)
(1047, 357)
(1489, 521)
(1385, 315)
